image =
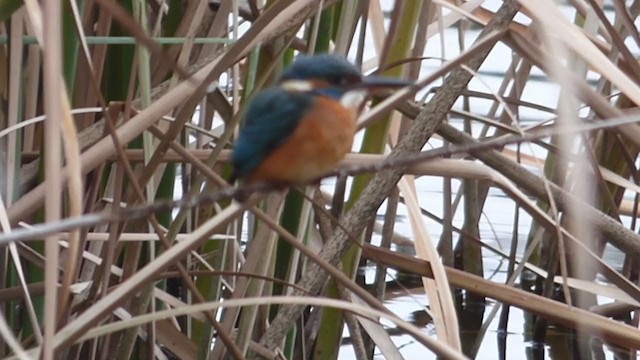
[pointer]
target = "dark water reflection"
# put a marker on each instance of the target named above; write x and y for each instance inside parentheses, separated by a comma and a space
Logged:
(512, 341)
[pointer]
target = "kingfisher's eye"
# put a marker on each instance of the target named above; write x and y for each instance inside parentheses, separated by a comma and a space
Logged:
(342, 80)
(336, 80)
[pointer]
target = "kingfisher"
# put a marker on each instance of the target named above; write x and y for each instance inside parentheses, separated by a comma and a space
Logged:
(302, 128)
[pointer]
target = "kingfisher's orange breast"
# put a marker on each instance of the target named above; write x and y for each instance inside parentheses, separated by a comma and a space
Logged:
(320, 141)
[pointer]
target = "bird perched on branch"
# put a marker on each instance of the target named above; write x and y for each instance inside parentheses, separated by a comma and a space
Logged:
(302, 128)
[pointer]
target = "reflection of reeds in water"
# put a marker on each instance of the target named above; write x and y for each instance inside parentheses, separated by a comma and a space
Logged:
(145, 110)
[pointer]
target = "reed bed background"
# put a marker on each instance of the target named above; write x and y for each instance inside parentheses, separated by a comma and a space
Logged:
(112, 110)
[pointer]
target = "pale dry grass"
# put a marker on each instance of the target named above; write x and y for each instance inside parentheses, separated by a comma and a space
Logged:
(99, 279)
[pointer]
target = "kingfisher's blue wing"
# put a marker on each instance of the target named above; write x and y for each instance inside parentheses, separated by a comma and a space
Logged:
(270, 118)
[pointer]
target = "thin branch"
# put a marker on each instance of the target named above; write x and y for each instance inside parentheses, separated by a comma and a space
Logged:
(242, 192)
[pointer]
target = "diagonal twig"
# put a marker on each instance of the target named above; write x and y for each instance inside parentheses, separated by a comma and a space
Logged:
(421, 130)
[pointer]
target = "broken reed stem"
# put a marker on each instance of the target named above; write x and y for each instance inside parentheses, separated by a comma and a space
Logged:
(432, 115)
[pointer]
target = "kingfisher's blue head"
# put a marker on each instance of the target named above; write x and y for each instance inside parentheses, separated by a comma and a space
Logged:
(331, 75)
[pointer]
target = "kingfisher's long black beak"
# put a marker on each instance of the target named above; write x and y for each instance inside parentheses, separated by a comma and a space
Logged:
(373, 83)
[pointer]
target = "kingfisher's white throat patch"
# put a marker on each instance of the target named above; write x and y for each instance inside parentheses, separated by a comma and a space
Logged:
(353, 98)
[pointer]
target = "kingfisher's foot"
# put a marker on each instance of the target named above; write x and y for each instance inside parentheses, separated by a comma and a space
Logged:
(244, 192)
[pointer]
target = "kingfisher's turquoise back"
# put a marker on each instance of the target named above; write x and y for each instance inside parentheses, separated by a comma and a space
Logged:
(269, 120)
